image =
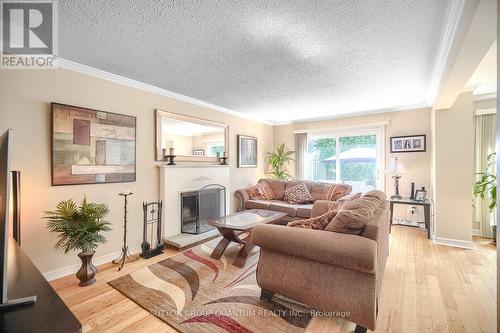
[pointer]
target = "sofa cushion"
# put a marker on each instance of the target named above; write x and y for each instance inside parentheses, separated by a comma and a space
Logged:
(354, 215)
(334, 192)
(349, 197)
(318, 222)
(318, 191)
(309, 184)
(298, 194)
(277, 186)
(284, 207)
(261, 191)
(304, 211)
(376, 194)
(257, 204)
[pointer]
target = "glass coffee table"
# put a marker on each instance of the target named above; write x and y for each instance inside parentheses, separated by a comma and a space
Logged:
(232, 226)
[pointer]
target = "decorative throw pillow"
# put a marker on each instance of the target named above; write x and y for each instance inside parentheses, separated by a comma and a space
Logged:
(354, 215)
(297, 194)
(266, 190)
(336, 191)
(261, 191)
(277, 187)
(318, 222)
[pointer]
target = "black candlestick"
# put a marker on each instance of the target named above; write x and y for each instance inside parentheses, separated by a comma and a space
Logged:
(171, 159)
(125, 254)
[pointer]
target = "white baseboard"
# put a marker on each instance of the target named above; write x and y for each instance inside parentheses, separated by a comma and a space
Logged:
(72, 269)
(453, 242)
(476, 232)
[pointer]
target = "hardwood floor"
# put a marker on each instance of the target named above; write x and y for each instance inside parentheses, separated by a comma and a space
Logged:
(426, 288)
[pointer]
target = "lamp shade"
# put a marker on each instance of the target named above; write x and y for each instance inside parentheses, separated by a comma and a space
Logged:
(396, 167)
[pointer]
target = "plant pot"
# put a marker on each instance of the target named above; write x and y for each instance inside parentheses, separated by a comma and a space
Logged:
(494, 227)
(86, 273)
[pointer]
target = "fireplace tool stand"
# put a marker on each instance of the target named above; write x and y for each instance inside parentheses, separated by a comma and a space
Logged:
(125, 254)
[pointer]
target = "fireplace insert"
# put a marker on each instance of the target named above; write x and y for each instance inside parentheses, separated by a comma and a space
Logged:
(202, 206)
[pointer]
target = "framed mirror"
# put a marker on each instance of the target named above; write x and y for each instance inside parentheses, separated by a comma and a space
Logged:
(190, 139)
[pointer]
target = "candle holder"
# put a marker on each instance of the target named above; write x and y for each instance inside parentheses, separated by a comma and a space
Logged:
(170, 159)
(125, 254)
(223, 160)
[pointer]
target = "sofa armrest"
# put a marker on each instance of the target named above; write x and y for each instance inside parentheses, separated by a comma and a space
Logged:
(243, 197)
(320, 207)
(342, 250)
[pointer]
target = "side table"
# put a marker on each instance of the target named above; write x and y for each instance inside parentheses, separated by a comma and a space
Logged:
(407, 201)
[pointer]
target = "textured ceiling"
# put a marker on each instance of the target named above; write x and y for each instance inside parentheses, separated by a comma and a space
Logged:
(278, 60)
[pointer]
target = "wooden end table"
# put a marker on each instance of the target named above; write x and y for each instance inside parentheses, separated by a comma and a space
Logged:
(232, 227)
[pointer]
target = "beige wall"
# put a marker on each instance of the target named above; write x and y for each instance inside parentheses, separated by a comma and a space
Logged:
(25, 98)
(453, 168)
(398, 123)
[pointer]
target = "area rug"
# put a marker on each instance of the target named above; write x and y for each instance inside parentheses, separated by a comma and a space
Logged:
(192, 292)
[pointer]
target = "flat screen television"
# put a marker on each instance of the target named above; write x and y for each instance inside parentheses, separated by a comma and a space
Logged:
(5, 194)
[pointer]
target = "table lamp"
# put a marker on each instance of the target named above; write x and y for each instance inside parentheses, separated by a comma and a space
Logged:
(396, 169)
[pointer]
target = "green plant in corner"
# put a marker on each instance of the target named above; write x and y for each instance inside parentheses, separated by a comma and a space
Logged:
(486, 184)
(277, 161)
(486, 187)
(79, 228)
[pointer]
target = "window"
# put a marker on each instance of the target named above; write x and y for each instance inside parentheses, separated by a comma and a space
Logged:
(354, 158)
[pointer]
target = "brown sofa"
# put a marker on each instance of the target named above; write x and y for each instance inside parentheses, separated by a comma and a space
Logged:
(325, 270)
(278, 187)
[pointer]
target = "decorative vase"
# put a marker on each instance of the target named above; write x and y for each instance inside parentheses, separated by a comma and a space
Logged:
(86, 273)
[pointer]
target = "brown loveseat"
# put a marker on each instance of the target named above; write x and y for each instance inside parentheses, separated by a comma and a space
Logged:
(294, 212)
(326, 270)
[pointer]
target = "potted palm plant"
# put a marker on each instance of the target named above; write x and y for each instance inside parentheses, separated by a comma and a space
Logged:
(486, 188)
(79, 228)
(277, 161)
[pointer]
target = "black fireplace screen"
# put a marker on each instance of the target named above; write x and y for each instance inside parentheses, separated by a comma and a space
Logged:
(200, 207)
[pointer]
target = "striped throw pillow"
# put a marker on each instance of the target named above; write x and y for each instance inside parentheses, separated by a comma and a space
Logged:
(336, 191)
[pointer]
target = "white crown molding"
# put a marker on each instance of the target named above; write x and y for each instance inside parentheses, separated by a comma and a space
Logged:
(356, 114)
(443, 57)
(453, 242)
(72, 269)
(94, 72)
(485, 97)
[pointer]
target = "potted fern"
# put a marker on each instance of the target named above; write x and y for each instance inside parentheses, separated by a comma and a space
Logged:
(79, 228)
(486, 188)
(277, 161)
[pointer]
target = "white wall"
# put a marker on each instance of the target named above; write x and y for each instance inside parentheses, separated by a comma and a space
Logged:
(453, 169)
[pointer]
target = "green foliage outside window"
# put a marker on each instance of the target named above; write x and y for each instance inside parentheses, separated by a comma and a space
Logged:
(351, 170)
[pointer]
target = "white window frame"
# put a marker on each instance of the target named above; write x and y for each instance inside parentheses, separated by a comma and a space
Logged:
(378, 131)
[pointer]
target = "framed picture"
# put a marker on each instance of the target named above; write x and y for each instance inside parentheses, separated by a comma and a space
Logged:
(408, 144)
(247, 151)
(198, 152)
(91, 146)
(420, 195)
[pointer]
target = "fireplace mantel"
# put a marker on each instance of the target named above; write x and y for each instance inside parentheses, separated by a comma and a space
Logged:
(181, 178)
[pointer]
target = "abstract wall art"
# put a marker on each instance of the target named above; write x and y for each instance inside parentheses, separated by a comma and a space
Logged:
(91, 147)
